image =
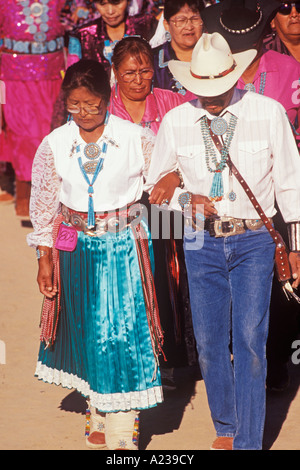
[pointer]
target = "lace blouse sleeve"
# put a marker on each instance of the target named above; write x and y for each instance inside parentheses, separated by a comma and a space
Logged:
(148, 140)
(44, 201)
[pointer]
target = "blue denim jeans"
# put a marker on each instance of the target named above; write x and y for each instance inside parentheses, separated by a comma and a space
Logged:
(230, 283)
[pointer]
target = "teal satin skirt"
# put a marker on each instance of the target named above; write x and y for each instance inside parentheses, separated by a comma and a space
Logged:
(103, 347)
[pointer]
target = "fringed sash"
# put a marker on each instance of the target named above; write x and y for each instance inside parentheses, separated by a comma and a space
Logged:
(152, 311)
(173, 274)
(51, 307)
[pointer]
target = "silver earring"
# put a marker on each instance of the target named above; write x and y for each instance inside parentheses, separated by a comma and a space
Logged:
(168, 36)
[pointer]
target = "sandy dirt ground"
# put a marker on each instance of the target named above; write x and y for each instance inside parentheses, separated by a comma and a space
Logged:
(38, 416)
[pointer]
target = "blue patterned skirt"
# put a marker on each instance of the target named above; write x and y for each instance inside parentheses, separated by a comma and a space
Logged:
(103, 346)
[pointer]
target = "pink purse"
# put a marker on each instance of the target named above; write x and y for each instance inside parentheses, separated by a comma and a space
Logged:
(67, 238)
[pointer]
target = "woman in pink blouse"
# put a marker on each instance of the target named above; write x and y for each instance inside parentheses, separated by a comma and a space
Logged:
(134, 99)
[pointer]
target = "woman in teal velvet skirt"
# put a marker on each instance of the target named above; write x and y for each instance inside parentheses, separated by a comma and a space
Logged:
(100, 327)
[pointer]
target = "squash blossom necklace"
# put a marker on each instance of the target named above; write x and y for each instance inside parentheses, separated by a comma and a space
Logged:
(219, 127)
(93, 166)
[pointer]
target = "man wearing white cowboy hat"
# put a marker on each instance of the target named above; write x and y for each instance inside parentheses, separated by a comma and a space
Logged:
(230, 255)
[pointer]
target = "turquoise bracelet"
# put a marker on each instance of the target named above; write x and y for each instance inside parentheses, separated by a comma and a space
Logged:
(184, 200)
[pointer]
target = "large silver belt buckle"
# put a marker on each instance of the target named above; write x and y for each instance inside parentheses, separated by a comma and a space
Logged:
(227, 226)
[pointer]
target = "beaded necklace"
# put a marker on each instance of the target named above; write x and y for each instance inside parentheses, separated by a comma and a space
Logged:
(217, 189)
(96, 156)
(262, 84)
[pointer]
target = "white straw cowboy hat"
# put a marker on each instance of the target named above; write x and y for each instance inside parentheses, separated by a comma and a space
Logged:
(213, 69)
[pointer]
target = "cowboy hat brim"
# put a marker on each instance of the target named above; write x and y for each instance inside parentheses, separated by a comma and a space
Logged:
(211, 86)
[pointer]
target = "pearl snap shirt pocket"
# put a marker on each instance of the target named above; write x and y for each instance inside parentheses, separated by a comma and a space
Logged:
(253, 159)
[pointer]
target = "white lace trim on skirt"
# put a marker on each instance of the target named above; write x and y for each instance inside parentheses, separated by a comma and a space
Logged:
(107, 403)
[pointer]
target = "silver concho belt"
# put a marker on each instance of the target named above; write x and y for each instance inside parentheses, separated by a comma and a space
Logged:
(113, 222)
(228, 226)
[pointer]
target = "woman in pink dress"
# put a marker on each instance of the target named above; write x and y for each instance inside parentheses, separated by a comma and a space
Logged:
(32, 62)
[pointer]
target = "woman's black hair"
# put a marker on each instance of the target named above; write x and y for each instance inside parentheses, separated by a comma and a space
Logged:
(113, 2)
(172, 7)
(89, 74)
(133, 45)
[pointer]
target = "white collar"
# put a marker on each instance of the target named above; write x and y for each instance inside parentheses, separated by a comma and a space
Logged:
(232, 108)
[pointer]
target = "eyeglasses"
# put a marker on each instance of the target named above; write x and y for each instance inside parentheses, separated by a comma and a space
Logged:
(87, 109)
(130, 76)
(286, 8)
(182, 21)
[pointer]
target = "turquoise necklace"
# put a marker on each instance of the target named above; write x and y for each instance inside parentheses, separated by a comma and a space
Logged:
(96, 156)
(262, 84)
(213, 165)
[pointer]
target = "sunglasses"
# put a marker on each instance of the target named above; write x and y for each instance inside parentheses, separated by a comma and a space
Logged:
(286, 8)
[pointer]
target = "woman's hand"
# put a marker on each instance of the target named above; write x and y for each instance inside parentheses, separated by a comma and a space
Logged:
(164, 189)
(202, 205)
(45, 274)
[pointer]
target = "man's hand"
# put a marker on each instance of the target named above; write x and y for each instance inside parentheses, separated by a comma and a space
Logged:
(294, 259)
(203, 205)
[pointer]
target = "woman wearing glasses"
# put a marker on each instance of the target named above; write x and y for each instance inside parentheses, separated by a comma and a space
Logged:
(96, 39)
(100, 329)
(183, 24)
(135, 99)
(133, 96)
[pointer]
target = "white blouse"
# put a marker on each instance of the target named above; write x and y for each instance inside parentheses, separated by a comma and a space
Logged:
(57, 177)
(263, 148)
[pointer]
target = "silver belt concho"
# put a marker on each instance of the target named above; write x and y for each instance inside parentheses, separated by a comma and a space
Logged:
(228, 226)
(34, 47)
(113, 223)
